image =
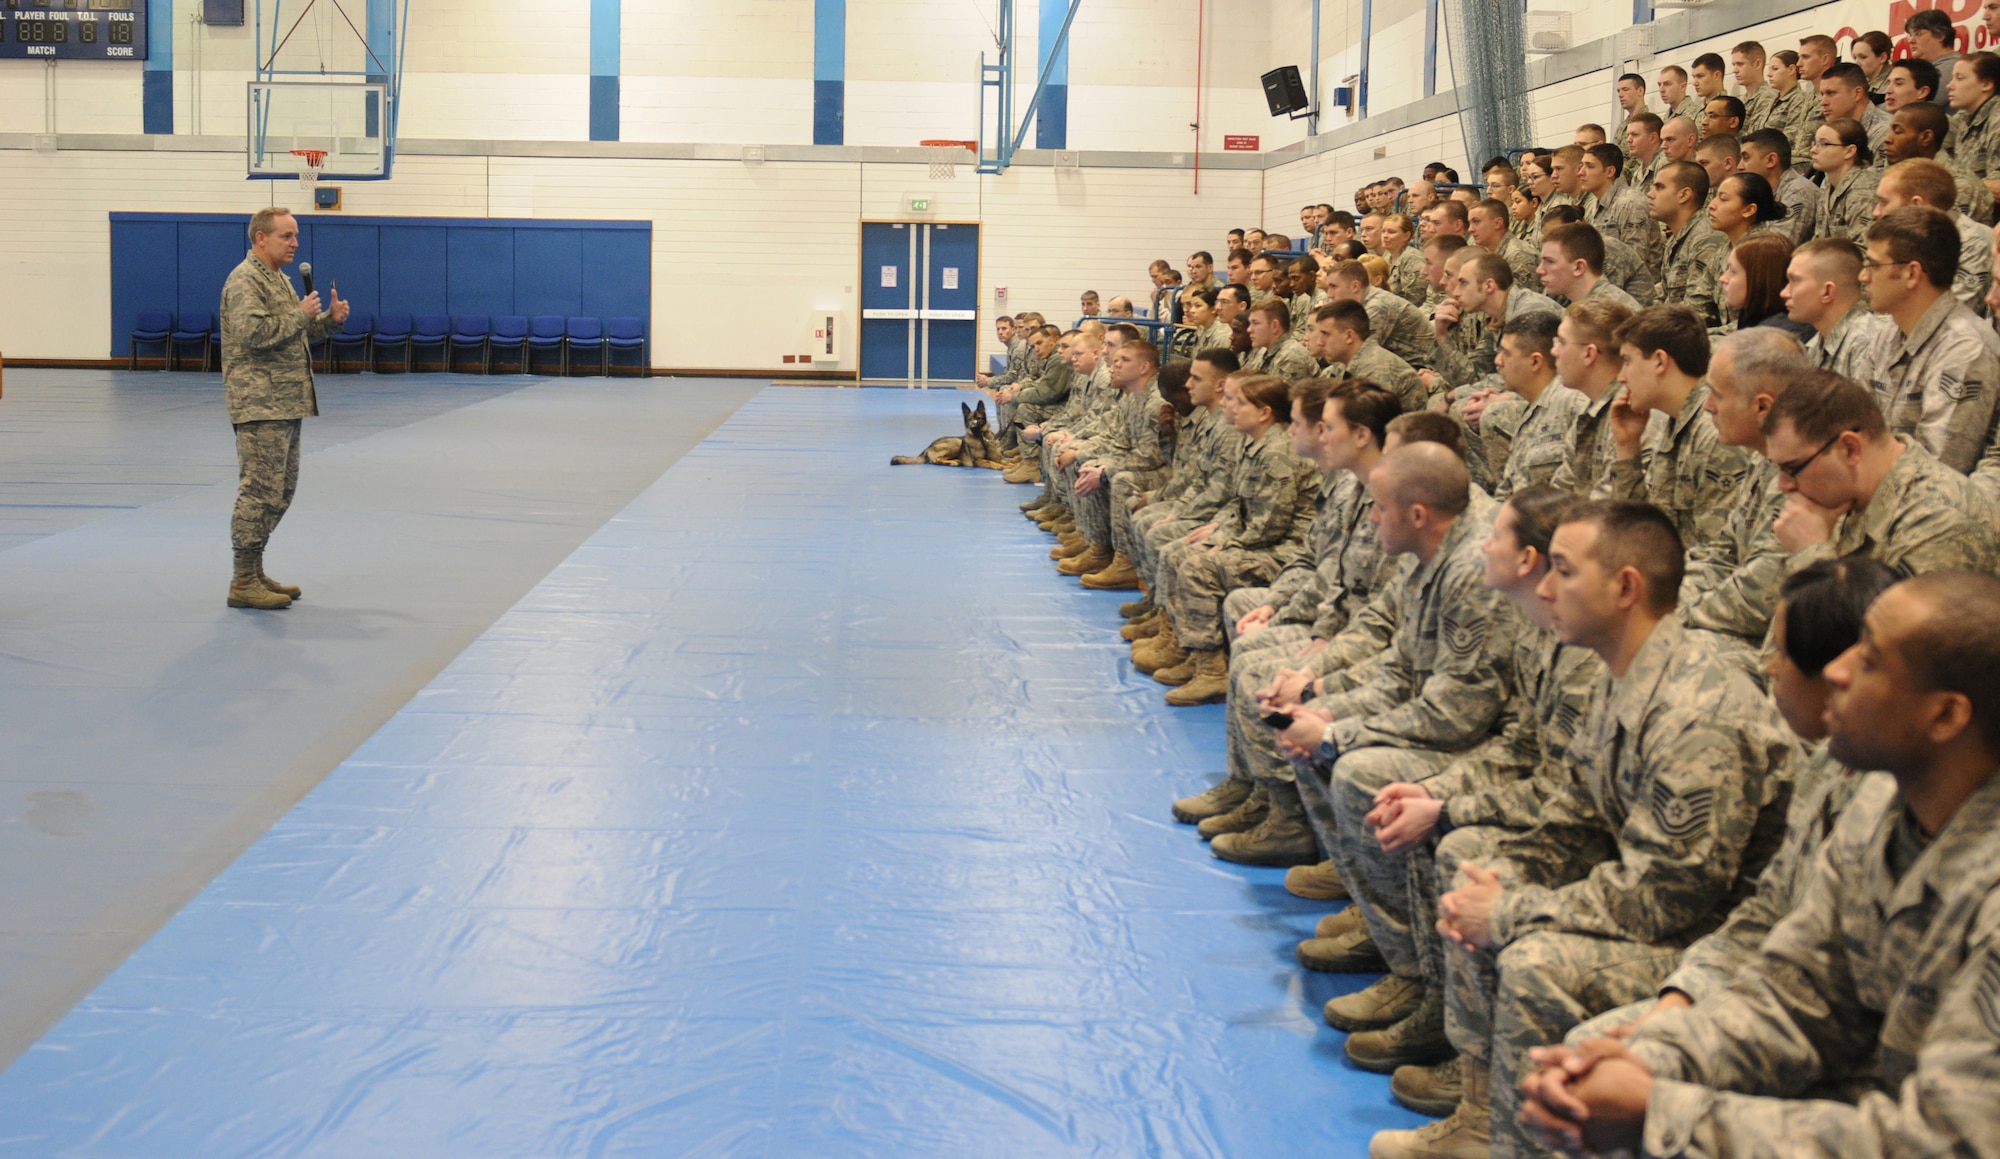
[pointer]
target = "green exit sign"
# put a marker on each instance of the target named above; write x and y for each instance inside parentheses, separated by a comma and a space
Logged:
(920, 205)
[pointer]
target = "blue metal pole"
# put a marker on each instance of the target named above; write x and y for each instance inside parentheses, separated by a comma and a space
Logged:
(1312, 118)
(1367, 31)
(1062, 41)
(1431, 47)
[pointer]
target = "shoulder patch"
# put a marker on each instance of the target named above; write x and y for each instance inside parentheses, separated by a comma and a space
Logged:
(1463, 637)
(1986, 999)
(1682, 816)
(1956, 388)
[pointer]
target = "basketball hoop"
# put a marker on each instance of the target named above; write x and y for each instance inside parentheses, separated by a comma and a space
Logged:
(312, 161)
(944, 157)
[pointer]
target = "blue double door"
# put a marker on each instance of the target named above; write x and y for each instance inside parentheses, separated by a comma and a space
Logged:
(919, 300)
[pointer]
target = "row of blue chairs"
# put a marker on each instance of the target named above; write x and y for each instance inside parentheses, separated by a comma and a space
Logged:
(609, 344)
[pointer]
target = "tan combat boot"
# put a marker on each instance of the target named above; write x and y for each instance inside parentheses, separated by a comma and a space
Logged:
(1144, 629)
(1075, 549)
(1094, 558)
(1350, 952)
(1316, 882)
(1377, 1006)
(1467, 1134)
(1335, 924)
(1175, 675)
(1120, 576)
(1247, 815)
(274, 585)
(1028, 470)
(247, 591)
(1429, 1090)
(1282, 838)
(1140, 608)
(1162, 651)
(1208, 683)
(1418, 1039)
(1213, 803)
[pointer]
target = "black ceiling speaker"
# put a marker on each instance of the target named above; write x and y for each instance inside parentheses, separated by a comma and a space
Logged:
(1285, 92)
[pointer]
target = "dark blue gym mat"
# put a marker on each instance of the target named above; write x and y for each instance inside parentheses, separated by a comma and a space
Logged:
(803, 811)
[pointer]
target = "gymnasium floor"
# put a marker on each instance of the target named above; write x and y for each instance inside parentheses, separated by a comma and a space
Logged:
(754, 798)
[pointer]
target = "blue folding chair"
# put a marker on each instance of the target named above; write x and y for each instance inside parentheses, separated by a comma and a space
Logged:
(152, 326)
(193, 327)
(627, 335)
(391, 330)
(357, 333)
(589, 334)
(510, 333)
(215, 341)
(431, 332)
(468, 332)
(546, 333)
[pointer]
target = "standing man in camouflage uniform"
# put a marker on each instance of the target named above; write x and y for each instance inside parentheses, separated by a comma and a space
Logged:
(268, 381)
(1883, 983)
(1676, 794)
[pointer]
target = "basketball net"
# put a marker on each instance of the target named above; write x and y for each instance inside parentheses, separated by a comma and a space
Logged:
(944, 157)
(311, 163)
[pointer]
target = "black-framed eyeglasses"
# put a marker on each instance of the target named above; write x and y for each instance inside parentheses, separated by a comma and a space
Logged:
(1794, 470)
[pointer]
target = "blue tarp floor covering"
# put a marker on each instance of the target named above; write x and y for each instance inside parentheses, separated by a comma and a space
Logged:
(803, 810)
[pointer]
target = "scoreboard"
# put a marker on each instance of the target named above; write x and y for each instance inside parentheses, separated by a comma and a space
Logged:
(73, 29)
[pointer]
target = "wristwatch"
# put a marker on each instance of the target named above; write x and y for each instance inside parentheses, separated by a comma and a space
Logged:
(1329, 749)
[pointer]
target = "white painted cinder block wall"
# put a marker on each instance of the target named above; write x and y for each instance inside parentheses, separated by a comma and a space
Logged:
(740, 73)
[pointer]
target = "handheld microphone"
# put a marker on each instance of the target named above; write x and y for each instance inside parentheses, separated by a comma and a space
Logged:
(306, 272)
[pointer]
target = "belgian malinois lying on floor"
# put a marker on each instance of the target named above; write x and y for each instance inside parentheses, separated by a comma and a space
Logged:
(975, 448)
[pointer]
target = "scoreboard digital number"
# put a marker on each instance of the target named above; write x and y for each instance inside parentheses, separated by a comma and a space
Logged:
(73, 29)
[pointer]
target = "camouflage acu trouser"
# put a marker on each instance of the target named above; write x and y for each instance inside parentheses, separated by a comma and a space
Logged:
(1199, 579)
(267, 460)
(1125, 489)
(1159, 532)
(1534, 991)
(1378, 881)
(1249, 745)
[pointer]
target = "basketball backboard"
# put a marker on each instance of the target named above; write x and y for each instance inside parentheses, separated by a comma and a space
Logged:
(352, 121)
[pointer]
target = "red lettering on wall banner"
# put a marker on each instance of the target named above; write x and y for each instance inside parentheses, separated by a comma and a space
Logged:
(1239, 144)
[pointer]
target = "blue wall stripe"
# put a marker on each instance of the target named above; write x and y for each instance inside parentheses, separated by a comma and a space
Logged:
(604, 34)
(1052, 113)
(381, 57)
(157, 97)
(830, 72)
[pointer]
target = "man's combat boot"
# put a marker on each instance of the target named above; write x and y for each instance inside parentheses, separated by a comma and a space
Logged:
(1429, 1090)
(1213, 803)
(1140, 608)
(1282, 838)
(1144, 629)
(1207, 684)
(1175, 675)
(1075, 549)
(1467, 1134)
(273, 585)
(1242, 818)
(1093, 558)
(1120, 576)
(247, 591)
(1162, 651)
(1350, 952)
(1335, 924)
(1378, 1006)
(1319, 882)
(1415, 1040)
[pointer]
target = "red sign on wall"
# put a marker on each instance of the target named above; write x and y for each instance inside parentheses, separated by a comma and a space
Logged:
(1232, 143)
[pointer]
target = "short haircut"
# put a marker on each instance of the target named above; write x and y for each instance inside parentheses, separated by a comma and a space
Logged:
(1428, 426)
(1772, 141)
(1276, 241)
(1923, 74)
(1203, 255)
(1593, 128)
(1275, 308)
(1926, 179)
(1822, 405)
(1837, 258)
(1673, 328)
(1353, 271)
(1608, 155)
(1821, 42)
(1933, 21)
(1847, 73)
(1750, 49)
(1268, 258)
(1222, 359)
(1491, 267)
(1719, 144)
(1596, 322)
(1634, 77)
(1494, 208)
(1145, 350)
(1447, 244)
(1534, 332)
(1825, 604)
(1765, 358)
(1957, 648)
(1265, 390)
(1712, 61)
(1348, 314)
(1341, 218)
(1125, 330)
(1556, 215)
(1569, 153)
(1678, 71)
(1920, 234)
(1308, 396)
(266, 220)
(1650, 122)
(1642, 537)
(1927, 117)
(1688, 175)
(1243, 256)
(1875, 39)
(1366, 403)
(1538, 511)
(1452, 210)
(1240, 293)
(1435, 479)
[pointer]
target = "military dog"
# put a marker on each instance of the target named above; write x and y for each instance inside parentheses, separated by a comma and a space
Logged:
(975, 448)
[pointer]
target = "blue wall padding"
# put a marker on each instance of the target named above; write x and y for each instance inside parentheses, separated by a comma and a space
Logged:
(178, 262)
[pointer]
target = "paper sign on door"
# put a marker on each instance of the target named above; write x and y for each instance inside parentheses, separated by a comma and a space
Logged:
(888, 277)
(951, 277)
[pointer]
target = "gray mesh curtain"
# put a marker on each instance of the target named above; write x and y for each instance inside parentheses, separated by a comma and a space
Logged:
(1489, 68)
